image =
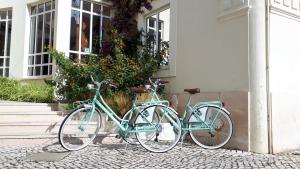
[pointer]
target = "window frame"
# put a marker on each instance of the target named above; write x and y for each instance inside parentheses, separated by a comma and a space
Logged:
(5, 56)
(145, 26)
(91, 13)
(34, 37)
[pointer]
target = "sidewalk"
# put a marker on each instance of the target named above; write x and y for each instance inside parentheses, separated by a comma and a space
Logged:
(114, 155)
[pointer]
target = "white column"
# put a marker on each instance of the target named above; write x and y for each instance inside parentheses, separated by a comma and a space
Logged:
(62, 25)
(19, 45)
(258, 136)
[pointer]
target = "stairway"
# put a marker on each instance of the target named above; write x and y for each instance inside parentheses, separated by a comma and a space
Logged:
(20, 120)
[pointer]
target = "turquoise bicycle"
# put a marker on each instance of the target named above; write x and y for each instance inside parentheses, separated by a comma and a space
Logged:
(154, 84)
(156, 126)
(208, 123)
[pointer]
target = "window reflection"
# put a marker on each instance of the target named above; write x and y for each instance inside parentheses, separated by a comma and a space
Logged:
(74, 37)
(5, 38)
(88, 22)
(158, 29)
(41, 37)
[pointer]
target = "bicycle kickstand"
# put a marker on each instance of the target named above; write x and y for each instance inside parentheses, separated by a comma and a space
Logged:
(182, 138)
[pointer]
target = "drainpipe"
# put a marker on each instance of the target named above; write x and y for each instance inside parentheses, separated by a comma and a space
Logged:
(269, 96)
(258, 115)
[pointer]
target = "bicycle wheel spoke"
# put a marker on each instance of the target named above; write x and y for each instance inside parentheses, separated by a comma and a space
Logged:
(220, 129)
(79, 129)
(166, 135)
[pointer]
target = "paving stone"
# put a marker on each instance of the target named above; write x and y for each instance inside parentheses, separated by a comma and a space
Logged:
(115, 156)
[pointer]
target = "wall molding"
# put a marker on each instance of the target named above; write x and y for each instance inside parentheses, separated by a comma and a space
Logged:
(230, 9)
(232, 14)
(286, 8)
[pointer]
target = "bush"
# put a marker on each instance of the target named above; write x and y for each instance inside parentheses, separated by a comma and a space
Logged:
(13, 90)
(126, 71)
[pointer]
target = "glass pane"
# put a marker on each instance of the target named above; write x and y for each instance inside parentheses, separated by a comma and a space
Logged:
(96, 35)
(9, 14)
(6, 72)
(8, 39)
(3, 14)
(30, 71)
(76, 3)
(41, 8)
(33, 10)
(38, 59)
(85, 34)
(39, 36)
(7, 62)
(45, 70)
(106, 11)
(47, 28)
(86, 5)
(105, 29)
(97, 8)
(50, 70)
(152, 22)
(84, 58)
(1, 62)
(164, 24)
(50, 59)
(164, 36)
(53, 4)
(73, 57)
(52, 28)
(48, 6)
(1, 72)
(2, 37)
(45, 58)
(31, 60)
(32, 35)
(74, 35)
(37, 71)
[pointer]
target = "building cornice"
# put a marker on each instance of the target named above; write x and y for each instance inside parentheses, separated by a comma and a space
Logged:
(286, 8)
(231, 9)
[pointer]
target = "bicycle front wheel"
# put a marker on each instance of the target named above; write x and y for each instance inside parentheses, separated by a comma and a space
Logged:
(158, 128)
(130, 116)
(79, 128)
(210, 126)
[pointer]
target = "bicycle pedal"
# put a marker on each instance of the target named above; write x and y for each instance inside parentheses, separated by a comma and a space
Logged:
(118, 136)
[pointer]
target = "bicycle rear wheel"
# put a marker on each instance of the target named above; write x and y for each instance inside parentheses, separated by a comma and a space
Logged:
(210, 126)
(161, 133)
(131, 138)
(79, 128)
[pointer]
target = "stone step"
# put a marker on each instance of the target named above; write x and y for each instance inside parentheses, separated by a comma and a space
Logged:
(29, 129)
(31, 117)
(7, 107)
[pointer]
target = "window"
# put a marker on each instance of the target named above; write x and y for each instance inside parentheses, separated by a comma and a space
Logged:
(41, 37)
(5, 37)
(158, 29)
(88, 23)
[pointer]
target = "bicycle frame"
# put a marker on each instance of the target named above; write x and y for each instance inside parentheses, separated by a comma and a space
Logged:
(189, 109)
(120, 122)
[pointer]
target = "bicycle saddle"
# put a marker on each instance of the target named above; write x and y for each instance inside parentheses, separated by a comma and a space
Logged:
(138, 90)
(192, 91)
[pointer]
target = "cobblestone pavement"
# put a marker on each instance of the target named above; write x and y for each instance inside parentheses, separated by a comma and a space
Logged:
(115, 156)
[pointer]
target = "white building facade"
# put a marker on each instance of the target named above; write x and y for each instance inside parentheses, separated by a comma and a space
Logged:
(243, 51)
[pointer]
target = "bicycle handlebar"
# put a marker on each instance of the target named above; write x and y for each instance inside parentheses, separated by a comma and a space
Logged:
(108, 82)
(158, 81)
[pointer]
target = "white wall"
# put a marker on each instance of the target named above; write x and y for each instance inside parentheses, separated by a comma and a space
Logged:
(211, 54)
(285, 80)
(209, 49)
(205, 51)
